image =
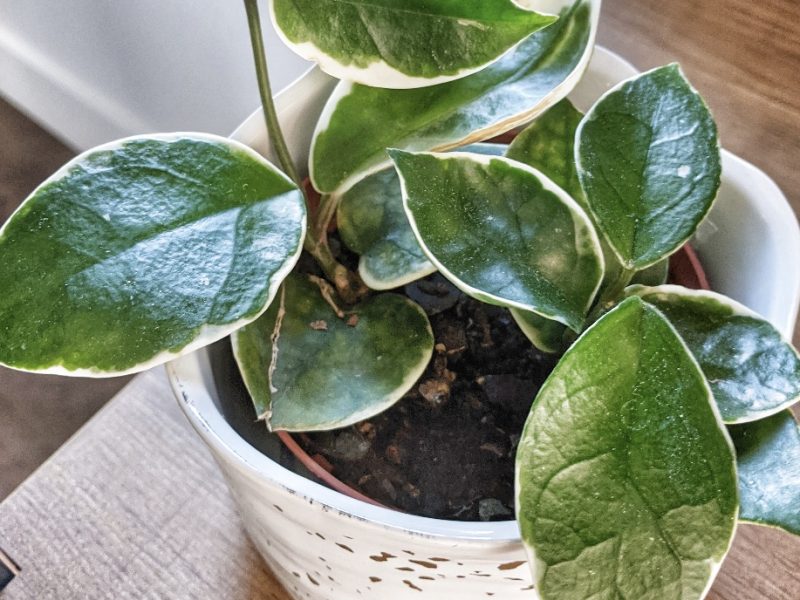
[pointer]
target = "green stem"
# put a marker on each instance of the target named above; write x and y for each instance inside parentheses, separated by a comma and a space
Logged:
(611, 295)
(270, 114)
(347, 283)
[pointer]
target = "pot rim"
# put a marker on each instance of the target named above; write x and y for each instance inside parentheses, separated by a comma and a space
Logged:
(191, 380)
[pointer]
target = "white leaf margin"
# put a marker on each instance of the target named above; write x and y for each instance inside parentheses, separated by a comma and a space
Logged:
(206, 334)
(379, 73)
(381, 285)
(666, 291)
(558, 93)
(387, 402)
(590, 115)
(579, 219)
(537, 565)
(534, 334)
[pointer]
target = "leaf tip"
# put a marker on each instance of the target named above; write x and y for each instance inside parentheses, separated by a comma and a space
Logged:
(397, 154)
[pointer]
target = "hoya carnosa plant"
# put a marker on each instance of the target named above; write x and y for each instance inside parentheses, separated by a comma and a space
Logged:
(664, 424)
(519, 86)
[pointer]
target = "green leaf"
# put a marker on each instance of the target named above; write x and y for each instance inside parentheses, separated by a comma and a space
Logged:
(653, 275)
(768, 455)
(649, 163)
(141, 250)
(753, 370)
(403, 43)
(549, 336)
(359, 122)
(548, 144)
(372, 223)
(546, 334)
(626, 478)
(307, 369)
(502, 232)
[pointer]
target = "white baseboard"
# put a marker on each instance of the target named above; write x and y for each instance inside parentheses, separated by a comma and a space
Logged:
(72, 110)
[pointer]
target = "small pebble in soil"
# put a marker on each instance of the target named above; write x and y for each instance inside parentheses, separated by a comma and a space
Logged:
(491, 509)
(347, 444)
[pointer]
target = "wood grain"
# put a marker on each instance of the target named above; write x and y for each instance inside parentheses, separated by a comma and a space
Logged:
(133, 507)
(34, 419)
(743, 57)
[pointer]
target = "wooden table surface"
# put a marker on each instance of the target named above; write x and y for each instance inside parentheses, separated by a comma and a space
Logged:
(134, 507)
(743, 57)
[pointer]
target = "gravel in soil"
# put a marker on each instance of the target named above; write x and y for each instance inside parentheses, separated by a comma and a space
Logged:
(446, 450)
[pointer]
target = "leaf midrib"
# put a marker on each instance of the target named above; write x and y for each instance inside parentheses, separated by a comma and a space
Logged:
(168, 228)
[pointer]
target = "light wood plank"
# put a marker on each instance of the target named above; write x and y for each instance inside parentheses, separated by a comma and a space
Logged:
(743, 57)
(132, 507)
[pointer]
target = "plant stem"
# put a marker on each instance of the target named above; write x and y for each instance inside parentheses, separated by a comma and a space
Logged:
(327, 208)
(262, 73)
(348, 284)
(611, 294)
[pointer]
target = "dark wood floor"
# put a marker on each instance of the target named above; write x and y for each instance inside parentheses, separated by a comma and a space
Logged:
(37, 413)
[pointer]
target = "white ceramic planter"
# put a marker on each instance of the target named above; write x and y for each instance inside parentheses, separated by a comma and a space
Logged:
(323, 545)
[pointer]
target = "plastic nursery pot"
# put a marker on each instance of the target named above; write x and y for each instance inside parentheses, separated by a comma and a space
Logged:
(324, 545)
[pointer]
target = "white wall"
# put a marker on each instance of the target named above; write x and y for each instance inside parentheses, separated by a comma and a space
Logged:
(95, 70)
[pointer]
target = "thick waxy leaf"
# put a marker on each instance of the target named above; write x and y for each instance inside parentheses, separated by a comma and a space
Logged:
(360, 122)
(548, 144)
(403, 43)
(502, 232)
(626, 478)
(649, 163)
(372, 223)
(307, 369)
(753, 370)
(546, 334)
(768, 455)
(549, 336)
(141, 250)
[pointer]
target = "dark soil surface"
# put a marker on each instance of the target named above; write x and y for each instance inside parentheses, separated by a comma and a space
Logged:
(446, 450)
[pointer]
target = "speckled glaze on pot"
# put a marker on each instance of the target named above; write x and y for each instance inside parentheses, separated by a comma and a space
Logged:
(324, 545)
